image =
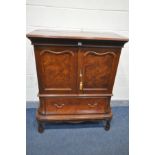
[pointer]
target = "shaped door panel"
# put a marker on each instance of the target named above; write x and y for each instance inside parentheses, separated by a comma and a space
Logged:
(98, 68)
(57, 69)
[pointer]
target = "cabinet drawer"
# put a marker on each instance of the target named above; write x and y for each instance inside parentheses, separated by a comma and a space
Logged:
(76, 105)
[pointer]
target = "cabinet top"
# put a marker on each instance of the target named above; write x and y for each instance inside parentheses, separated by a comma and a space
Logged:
(76, 35)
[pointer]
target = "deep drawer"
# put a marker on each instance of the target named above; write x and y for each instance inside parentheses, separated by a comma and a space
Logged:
(76, 105)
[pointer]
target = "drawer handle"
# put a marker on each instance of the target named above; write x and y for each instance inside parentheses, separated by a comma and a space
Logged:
(93, 104)
(60, 105)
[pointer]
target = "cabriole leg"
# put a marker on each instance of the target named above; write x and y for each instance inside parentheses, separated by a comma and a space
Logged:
(40, 127)
(107, 125)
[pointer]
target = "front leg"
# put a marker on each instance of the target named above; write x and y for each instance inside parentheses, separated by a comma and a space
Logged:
(107, 125)
(40, 127)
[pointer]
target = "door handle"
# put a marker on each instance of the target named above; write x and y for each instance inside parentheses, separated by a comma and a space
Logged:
(81, 83)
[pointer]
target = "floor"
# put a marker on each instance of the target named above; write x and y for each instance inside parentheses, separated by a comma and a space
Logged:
(80, 139)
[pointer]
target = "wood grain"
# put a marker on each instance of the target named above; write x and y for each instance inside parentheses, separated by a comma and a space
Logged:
(76, 73)
(55, 76)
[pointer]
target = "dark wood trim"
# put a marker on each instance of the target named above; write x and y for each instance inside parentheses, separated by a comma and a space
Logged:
(75, 95)
(85, 117)
(74, 42)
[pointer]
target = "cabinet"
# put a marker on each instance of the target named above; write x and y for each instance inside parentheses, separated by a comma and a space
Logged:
(76, 73)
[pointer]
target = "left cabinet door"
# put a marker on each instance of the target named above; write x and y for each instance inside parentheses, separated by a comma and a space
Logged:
(56, 69)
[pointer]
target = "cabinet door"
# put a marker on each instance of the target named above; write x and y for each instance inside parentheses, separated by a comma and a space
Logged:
(97, 69)
(56, 69)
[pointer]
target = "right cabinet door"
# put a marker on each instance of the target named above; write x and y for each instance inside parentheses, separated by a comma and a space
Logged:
(97, 69)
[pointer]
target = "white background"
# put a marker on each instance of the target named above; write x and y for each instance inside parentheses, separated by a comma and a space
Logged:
(13, 81)
(79, 15)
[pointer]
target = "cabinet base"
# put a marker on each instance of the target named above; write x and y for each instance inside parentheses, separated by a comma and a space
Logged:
(73, 119)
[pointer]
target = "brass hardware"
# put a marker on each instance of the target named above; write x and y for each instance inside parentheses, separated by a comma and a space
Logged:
(80, 73)
(93, 104)
(81, 85)
(59, 105)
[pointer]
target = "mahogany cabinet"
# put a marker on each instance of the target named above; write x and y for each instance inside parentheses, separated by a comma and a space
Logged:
(76, 73)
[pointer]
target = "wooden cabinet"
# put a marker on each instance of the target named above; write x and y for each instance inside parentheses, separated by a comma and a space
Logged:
(76, 73)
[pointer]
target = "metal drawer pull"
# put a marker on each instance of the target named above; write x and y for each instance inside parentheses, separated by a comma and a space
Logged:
(93, 104)
(60, 105)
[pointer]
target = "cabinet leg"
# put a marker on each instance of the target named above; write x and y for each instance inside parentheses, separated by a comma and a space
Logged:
(40, 127)
(107, 125)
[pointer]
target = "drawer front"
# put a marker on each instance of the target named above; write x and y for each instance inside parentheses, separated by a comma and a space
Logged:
(76, 105)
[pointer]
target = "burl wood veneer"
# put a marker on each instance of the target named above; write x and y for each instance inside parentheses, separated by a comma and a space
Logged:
(76, 73)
